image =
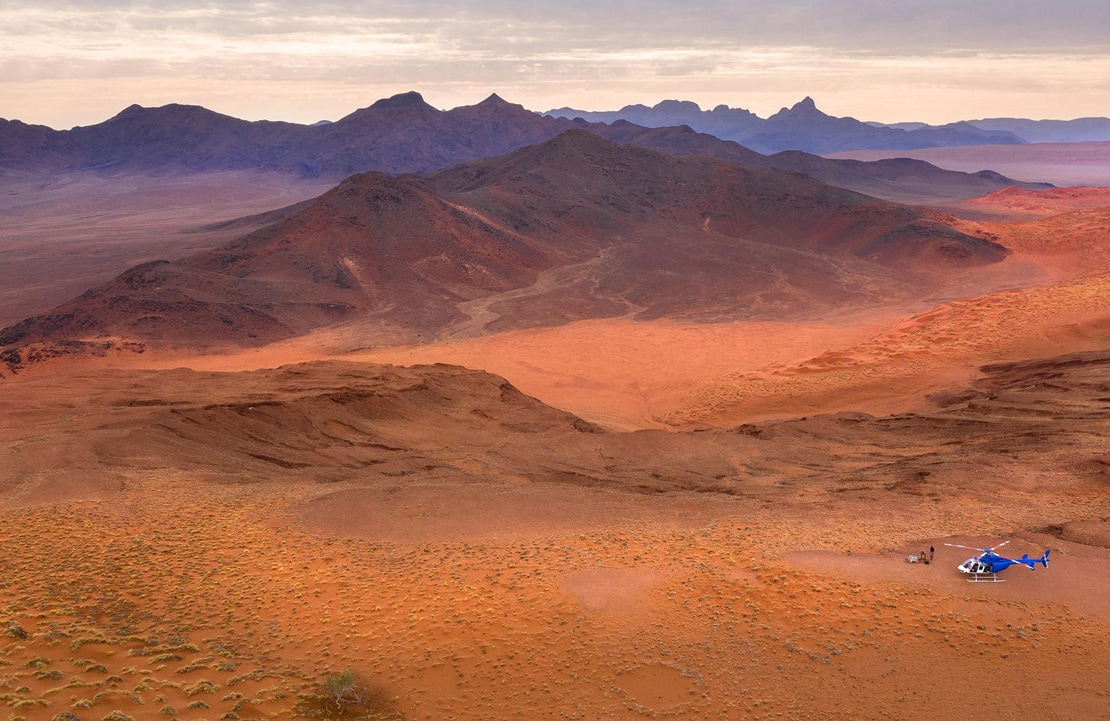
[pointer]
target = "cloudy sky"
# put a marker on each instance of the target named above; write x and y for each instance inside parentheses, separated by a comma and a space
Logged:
(78, 62)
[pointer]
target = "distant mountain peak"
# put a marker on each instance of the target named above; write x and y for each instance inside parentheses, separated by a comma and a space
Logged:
(678, 105)
(131, 111)
(163, 110)
(401, 100)
(805, 103)
(495, 110)
(171, 114)
(571, 143)
(805, 110)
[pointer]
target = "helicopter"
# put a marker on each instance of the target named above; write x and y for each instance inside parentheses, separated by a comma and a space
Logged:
(986, 567)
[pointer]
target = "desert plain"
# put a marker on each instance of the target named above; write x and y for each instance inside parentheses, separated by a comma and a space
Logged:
(604, 519)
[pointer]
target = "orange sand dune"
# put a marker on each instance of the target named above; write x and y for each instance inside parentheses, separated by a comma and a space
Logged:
(620, 373)
(897, 368)
(1040, 203)
(625, 374)
(229, 592)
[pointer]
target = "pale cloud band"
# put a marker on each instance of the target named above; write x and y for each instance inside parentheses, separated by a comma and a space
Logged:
(65, 63)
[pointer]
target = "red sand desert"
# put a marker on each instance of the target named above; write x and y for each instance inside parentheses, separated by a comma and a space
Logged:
(662, 523)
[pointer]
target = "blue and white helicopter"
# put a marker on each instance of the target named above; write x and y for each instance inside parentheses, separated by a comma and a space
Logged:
(986, 566)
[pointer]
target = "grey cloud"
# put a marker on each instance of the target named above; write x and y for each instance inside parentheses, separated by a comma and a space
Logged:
(879, 26)
(646, 50)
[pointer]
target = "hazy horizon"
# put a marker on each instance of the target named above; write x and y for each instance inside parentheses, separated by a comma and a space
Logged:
(67, 62)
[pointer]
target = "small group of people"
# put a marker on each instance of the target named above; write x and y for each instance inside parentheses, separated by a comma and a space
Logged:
(921, 557)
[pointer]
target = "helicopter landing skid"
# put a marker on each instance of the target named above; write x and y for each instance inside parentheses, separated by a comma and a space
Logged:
(985, 578)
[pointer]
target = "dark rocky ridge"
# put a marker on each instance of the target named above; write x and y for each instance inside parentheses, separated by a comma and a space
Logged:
(575, 227)
(366, 423)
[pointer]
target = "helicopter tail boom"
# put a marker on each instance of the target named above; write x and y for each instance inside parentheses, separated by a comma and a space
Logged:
(1032, 562)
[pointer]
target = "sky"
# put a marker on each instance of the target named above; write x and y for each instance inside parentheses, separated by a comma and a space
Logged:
(79, 62)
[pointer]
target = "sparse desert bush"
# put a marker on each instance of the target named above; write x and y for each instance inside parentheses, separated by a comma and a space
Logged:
(342, 687)
(345, 695)
(117, 716)
(202, 686)
(77, 643)
(255, 675)
(200, 663)
(66, 716)
(117, 692)
(145, 685)
(158, 650)
(13, 629)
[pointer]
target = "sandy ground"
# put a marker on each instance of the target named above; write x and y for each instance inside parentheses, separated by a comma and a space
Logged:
(160, 591)
(215, 599)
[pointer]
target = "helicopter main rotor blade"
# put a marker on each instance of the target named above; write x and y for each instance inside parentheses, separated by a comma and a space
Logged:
(981, 550)
(970, 548)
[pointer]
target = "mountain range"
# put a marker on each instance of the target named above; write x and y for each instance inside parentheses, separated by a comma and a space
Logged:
(804, 127)
(801, 127)
(570, 228)
(1079, 130)
(403, 134)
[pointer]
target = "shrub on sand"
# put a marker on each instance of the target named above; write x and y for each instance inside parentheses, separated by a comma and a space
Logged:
(345, 695)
